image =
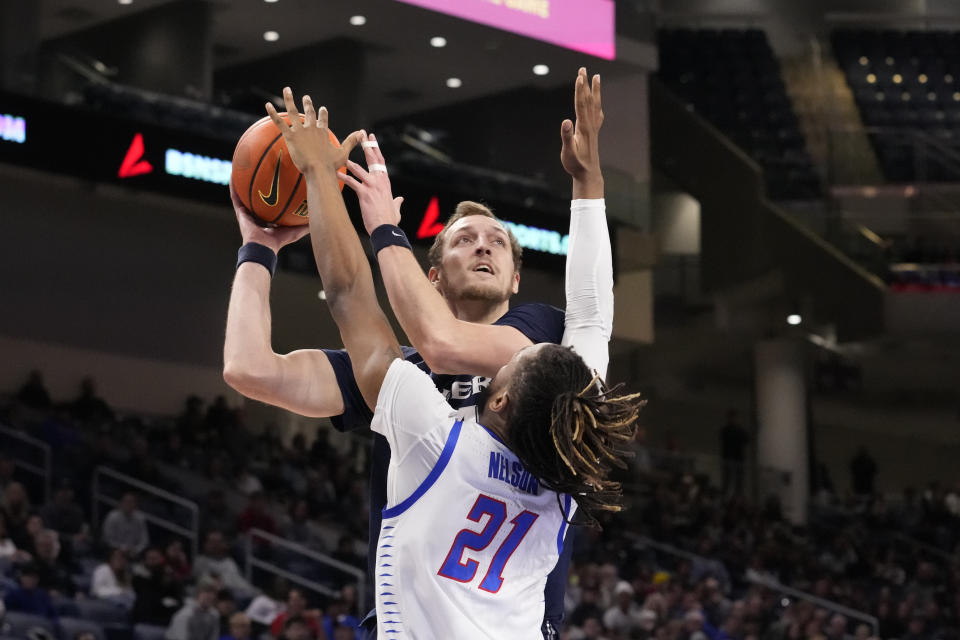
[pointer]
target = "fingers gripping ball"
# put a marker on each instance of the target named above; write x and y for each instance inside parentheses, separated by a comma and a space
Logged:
(266, 179)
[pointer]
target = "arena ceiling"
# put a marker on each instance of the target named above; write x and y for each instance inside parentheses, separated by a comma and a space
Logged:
(401, 63)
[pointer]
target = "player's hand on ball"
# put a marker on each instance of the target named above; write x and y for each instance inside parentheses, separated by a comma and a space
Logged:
(580, 154)
(372, 185)
(309, 141)
(273, 237)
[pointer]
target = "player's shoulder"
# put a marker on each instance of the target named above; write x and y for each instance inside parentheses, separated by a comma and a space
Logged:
(538, 321)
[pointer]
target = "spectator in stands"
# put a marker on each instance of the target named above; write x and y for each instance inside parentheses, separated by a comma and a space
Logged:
(592, 629)
(30, 597)
(65, 516)
(55, 571)
(247, 483)
(240, 628)
(176, 560)
(343, 632)
(113, 580)
(297, 609)
(298, 628)
(733, 445)
(15, 507)
(336, 617)
(33, 394)
(88, 406)
(158, 591)
(197, 619)
(215, 562)
(264, 609)
(624, 616)
(255, 516)
(126, 527)
(216, 514)
(226, 606)
(33, 527)
(8, 472)
(8, 549)
(299, 529)
(863, 471)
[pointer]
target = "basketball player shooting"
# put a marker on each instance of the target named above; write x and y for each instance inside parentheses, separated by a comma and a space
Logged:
(477, 508)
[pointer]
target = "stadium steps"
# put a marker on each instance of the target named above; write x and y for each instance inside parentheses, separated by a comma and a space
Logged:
(830, 120)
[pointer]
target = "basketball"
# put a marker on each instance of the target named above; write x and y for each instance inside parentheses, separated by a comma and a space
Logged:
(265, 177)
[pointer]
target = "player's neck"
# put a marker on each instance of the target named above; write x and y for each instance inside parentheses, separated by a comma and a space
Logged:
(478, 311)
(492, 421)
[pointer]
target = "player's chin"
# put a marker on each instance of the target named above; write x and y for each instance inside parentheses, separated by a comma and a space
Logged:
(488, 292)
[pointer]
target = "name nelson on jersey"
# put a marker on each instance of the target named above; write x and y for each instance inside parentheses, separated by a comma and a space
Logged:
(512, 472)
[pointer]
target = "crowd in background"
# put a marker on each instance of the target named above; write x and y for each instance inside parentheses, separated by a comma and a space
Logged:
(689, 560)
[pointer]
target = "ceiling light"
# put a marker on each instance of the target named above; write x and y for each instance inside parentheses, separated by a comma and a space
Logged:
(438, 41)
(270, 1)
(454, 83)
(271, 36)
(358, 21)
(794, 319)
(541, 69)
(125, 1)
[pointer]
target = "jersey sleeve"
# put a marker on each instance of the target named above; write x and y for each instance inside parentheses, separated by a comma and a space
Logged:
(539, 322)
(356, 414)
(409, 409)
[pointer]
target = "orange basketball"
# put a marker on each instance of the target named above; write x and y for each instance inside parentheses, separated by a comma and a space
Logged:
(265, 178)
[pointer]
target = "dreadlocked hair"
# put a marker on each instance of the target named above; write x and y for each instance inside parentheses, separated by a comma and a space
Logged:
(570, 430)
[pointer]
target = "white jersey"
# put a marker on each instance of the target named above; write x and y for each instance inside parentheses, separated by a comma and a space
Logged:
(468, 536)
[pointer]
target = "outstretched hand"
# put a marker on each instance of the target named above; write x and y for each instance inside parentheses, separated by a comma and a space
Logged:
(372, 186)
(580, 153)
(273, 237)
(308, 138)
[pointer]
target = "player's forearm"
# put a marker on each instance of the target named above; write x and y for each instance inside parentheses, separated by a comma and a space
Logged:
(247, 350)
(336, 247)
(589, 284)
(422, 312)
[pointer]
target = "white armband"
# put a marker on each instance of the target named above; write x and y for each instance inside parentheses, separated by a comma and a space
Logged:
(589, 284)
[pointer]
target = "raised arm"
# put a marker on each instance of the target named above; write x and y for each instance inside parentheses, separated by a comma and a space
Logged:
(589, 274)
(342, 264)
(302, 381)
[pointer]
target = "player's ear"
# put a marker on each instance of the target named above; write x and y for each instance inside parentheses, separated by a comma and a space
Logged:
(433, 275)
(515, 287)
(499, 400)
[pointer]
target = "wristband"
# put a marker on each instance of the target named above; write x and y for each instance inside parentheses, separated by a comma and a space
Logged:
(386, 235)
(256, 252)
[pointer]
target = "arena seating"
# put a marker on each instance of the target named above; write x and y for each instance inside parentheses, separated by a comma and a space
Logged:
(732, 78)
(907, 87)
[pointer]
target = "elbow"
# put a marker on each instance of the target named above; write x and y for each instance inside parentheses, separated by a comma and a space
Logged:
(243, 378)
(441, 355)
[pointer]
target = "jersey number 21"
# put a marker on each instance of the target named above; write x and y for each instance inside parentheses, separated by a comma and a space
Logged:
(455, 568)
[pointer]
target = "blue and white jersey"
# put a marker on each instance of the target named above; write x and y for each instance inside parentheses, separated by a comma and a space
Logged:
(468, 536)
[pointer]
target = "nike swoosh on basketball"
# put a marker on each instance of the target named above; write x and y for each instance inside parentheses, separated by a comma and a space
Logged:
(271, 198)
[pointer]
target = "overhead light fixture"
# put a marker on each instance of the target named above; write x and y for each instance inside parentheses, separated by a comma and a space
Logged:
(125, 1)
(358, 21)
(270, 1)
(271, 36)
(438, 41)
(794, 319)
(541, 69)
(454, 83)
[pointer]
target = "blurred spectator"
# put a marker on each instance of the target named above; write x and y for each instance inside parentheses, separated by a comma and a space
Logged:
(15, 507)
(863, 471)
(113, 580)
(158, 592)
(733, 445)
(226, 607)
(255, 516)
(54, 571)
(338, 617)
(586, 608)
(197, 619)
(265, 608)
(247, 483)
(177, 561)
(297, 609)
(299, 528)
(240, 628)
(298, 628)
(33, 393)
(88, 406)
(343, 632)
(219, 416)
(65, 516)
(592, 629)
(215, 562)
(126, 528)
(8, 472)
(216, 514)
(623, 617)
(29, 597)
(8, 549)
(190, 421)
